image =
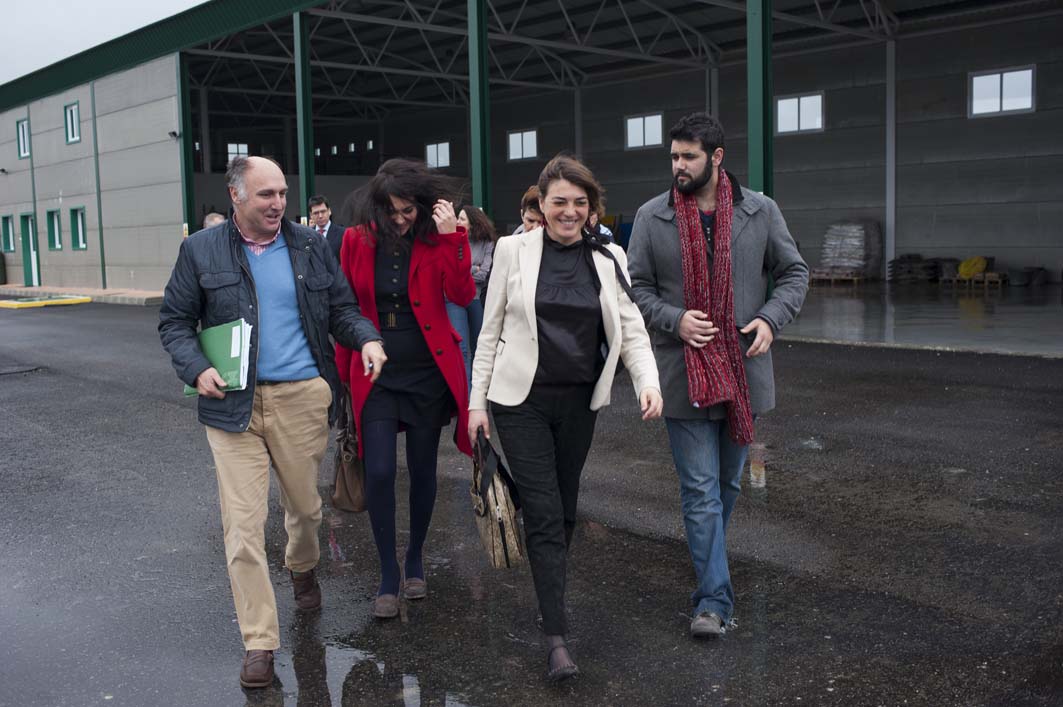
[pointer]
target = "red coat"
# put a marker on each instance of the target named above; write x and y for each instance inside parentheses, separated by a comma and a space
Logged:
(434, 271)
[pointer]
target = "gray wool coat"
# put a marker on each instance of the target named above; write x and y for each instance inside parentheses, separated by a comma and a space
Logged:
(761, 246)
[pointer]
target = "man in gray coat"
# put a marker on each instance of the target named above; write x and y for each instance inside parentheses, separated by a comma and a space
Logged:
(672, 268)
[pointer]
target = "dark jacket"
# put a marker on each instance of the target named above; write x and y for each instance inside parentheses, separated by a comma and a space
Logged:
(334, 236)
(211, 284)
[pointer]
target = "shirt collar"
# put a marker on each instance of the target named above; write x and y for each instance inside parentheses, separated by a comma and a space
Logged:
(248, 241)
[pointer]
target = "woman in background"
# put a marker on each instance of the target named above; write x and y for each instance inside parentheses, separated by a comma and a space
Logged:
(467, 320)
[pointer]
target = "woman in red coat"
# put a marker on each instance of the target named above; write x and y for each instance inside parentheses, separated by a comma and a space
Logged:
(401, 267)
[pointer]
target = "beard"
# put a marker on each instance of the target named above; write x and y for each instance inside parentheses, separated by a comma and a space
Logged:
(695, 183)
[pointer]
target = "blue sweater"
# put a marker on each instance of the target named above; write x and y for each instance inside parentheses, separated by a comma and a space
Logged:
(283, 352)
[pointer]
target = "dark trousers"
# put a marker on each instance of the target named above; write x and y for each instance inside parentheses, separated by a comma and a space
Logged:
(546, 439)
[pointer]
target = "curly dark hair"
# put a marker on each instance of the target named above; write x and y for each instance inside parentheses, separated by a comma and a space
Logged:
(412, 180)
(481, 227)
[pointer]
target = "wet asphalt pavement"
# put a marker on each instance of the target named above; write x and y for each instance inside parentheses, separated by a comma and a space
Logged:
(906, 549)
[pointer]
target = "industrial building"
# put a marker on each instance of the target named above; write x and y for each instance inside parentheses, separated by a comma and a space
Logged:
(937, 119)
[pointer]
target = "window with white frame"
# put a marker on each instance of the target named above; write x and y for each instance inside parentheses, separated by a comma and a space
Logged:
(7, 230)
(23, 128)
(995, 92)
(335, 149)
(437, 154)
(350, 147)
(72, 118)
(237, 149)
(799, 114)
(55, 231)
(522, 144)
(369, 145)
(77, 229)
(643, 131)
(317, 152)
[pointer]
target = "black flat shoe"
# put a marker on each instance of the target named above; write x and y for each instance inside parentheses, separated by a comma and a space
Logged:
(562, 672)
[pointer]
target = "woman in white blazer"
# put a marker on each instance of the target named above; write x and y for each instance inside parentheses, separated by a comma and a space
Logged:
(558, 317)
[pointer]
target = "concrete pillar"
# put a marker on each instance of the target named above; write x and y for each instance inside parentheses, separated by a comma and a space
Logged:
(890, 235)
(304, 109)
(577, 117)
(761, 104)
(204, 129)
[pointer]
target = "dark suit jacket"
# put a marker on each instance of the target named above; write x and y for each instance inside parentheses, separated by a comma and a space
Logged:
(334, 237)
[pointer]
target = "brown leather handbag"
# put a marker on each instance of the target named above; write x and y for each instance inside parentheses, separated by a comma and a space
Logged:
(495, 504)
(348, 488)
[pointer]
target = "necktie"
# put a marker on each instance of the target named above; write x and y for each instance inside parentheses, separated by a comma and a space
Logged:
(321, 230)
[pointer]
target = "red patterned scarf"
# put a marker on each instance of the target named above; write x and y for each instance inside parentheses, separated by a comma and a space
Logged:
(715, 372)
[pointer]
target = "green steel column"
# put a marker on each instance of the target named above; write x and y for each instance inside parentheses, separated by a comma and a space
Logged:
(758, 80)
(479, 106)
(185, 144)
(304, 110)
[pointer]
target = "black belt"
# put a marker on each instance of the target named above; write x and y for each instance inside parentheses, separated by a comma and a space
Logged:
(397, 319)
(262, 382)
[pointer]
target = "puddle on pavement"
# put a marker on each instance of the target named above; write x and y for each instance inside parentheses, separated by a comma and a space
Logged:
(330, 673)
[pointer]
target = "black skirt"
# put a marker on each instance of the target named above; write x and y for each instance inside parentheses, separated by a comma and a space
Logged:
(411, 388)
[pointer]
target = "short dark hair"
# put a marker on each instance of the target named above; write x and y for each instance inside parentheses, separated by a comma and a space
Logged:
(318, 201)
(699, 127)
(530, 200)
(572, 170)
(236, 172)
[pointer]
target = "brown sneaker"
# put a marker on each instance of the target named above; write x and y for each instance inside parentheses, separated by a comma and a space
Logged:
(257, 670)
(307, 590)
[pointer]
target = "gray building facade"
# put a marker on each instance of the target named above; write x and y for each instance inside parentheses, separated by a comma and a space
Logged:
(110, 208)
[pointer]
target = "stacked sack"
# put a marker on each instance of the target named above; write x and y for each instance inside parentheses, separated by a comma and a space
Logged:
(852, 248)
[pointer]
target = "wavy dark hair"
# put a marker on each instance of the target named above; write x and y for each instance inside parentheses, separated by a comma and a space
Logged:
(412, 180)
(481, 227)
(572, 170)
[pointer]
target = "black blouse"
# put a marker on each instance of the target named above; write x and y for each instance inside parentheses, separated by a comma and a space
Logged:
(568, 315)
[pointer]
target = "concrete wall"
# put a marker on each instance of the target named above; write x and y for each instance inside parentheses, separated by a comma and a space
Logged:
(140, 180)
(16, 192)
(65, 176)
(140, 173)
(987, 186)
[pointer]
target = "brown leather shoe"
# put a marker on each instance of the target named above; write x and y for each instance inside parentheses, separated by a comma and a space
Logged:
(307, 590)
(257, 670)
(415, 588)
(386, 606)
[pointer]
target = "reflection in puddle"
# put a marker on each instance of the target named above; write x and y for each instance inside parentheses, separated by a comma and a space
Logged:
(334, 675)
(1017, 319)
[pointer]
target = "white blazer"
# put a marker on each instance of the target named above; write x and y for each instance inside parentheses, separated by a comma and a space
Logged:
(507, 352)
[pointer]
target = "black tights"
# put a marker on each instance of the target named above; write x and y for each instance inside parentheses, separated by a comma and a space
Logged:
(379, 441)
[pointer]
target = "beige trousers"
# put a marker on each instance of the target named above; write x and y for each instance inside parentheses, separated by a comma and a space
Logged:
(289, 427)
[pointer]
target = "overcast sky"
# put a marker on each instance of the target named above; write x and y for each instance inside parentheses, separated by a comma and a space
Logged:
(36, 33)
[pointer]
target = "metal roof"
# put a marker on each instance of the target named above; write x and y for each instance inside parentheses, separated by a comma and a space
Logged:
(371, 57)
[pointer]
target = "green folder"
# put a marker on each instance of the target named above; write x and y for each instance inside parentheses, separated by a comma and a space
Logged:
(228, 348)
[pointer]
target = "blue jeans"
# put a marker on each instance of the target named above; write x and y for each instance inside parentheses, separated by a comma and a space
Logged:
(709, 464)
(467, 322)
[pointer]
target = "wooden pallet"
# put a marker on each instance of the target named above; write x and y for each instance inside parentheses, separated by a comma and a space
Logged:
(845, 277)
(986, 281)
